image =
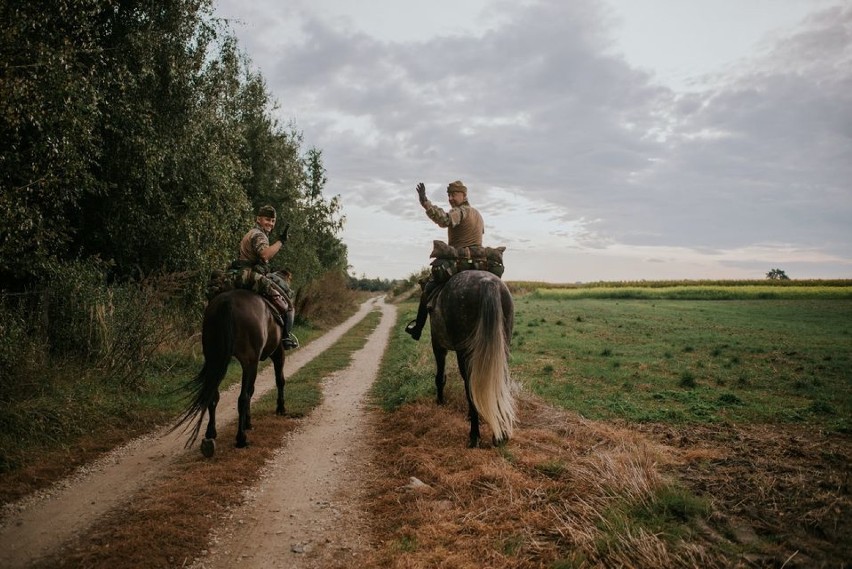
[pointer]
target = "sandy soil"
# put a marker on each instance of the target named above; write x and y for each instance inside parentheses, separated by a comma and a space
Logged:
(40, 525)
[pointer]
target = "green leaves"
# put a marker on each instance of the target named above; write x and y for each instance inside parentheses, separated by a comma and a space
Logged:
(138, 133)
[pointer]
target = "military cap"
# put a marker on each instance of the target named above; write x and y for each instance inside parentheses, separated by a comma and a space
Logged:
(266, 211)
(457, 186)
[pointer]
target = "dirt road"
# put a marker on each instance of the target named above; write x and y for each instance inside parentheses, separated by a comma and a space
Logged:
(39, 525)
(294, 517)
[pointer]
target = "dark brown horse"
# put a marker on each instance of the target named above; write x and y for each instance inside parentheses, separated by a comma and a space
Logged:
(241, 324)
(473, 315)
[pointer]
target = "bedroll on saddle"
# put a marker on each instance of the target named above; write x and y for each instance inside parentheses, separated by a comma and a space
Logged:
(451, 260)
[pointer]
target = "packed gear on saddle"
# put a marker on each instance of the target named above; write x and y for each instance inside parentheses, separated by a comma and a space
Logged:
(450, 260)
(464, 250)
(251, 271)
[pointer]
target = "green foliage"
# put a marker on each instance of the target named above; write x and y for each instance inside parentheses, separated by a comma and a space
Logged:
(324, 299)
(372, 285)
(137, 133)
(700, 292)
(777, 275)
(524, 287)
(411, 283)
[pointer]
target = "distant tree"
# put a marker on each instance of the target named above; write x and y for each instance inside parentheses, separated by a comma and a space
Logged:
(777, 275)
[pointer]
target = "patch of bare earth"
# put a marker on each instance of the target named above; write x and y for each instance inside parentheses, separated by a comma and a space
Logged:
(781, 491)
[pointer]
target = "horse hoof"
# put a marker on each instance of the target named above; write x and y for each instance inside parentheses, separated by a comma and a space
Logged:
(473, 443)
(208, 447)
(500, 442)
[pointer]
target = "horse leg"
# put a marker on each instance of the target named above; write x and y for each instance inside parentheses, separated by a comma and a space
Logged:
(210, 433)
(244, 402)
(473, 414)
(278, 365)
(440, 364)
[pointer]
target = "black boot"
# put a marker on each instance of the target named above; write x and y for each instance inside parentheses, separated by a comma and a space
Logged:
(290, 342)
(415, 327)
(285, 319)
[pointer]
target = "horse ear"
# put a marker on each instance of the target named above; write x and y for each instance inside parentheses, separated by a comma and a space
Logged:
(501, 249)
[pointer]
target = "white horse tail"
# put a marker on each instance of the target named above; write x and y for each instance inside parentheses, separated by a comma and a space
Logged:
(488, 362)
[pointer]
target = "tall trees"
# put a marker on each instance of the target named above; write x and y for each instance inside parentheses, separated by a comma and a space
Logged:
(135, 132)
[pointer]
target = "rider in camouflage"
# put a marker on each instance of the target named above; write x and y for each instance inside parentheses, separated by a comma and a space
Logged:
(256, 252)
(464, 229)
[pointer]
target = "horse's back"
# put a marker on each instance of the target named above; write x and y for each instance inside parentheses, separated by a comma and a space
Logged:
(250, 320)
(459, 304)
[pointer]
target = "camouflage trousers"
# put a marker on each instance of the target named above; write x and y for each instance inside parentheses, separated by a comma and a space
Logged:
(266, 285)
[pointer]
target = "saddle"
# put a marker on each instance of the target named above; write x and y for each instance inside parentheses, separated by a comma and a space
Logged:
(276, 313)
(223, 281)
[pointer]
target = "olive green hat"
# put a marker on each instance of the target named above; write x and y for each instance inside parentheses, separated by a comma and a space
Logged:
(266, 211)
(457, 186)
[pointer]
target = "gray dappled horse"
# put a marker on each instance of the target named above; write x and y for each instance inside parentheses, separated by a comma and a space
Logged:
(237, 323)
(473, 315)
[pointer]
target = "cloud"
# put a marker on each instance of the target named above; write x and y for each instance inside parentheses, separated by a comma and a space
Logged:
(537, 104)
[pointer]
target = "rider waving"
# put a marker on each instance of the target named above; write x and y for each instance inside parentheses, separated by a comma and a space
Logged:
(464, 229)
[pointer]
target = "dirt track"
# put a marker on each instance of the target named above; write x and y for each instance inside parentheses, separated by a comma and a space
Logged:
(39, 525)
(293, 518)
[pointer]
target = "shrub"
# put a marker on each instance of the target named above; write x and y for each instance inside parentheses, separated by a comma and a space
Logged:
(320, 300)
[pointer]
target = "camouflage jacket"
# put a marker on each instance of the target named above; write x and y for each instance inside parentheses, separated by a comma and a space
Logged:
(464, 224)
(252, 243)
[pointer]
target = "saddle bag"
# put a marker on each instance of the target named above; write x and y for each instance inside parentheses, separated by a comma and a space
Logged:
(451, 260)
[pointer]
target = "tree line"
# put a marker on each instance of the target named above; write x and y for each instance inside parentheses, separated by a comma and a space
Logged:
(137, 139)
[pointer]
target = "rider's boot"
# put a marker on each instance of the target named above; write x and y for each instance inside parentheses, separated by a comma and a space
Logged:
(288, 341)
(415, 327)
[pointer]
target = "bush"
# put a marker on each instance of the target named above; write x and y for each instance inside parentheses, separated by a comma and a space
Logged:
(319, 301)
(114, 328)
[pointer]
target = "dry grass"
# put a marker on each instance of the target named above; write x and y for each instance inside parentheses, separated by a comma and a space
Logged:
(551, 498)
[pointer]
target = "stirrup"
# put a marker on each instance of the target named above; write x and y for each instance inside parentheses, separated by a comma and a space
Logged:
(291, 342)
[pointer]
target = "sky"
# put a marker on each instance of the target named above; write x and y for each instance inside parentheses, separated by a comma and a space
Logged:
(602, 140)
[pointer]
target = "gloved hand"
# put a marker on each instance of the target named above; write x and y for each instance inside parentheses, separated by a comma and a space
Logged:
(284, 233)
(421, 192)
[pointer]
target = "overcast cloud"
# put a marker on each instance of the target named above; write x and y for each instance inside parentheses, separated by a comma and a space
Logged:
(585, 165)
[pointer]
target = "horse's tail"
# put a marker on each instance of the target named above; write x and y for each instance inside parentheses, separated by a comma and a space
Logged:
(488, 361)
(218, 344)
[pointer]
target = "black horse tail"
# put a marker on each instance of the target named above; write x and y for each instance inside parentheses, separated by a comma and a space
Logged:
(488, 357)
(218, 343)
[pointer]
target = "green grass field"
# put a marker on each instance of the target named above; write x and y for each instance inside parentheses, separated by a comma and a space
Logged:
(688, 361)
